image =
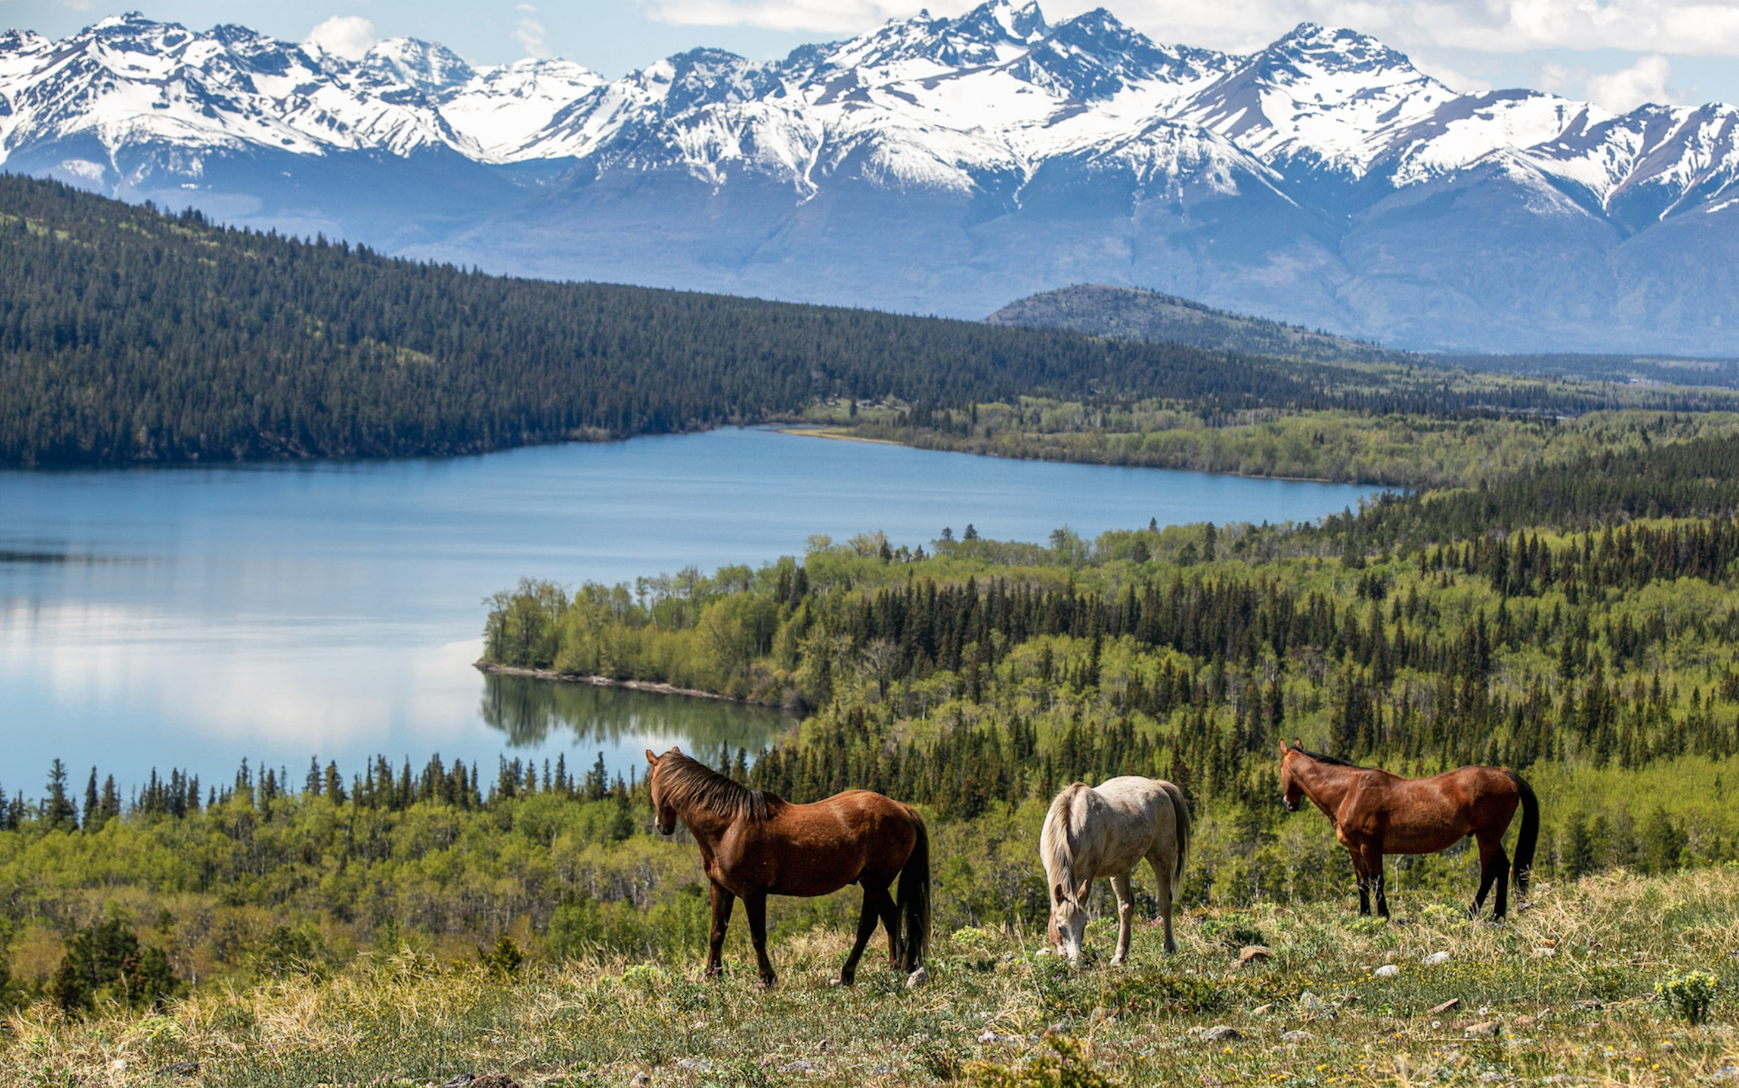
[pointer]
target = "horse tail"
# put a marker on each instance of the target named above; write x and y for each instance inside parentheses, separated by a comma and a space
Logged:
(1181, 814)
(1529, 834)
(914, 897)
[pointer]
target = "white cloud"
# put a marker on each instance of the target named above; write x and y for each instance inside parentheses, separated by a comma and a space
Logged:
(1691, 27)
(347, 36)
(1641, 83)
(531, 35)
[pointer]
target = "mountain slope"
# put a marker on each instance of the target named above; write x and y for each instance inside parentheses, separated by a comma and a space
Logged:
(1134, 314)
(938, 165)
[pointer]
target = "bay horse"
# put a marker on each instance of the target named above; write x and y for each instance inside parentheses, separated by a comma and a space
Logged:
(754, 844)
(1375, 812)
(1107, 832)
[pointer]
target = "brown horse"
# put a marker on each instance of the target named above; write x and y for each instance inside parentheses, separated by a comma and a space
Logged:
(754, 844)
(1375, 812)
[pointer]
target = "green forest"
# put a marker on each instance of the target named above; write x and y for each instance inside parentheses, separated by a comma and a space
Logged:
(1394, 449)
(127, 336)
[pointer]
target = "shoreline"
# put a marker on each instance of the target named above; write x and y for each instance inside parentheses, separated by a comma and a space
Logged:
(656, 688)
(822, 432)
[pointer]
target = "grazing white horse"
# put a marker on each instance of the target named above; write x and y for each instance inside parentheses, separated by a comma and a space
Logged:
(1107, 832)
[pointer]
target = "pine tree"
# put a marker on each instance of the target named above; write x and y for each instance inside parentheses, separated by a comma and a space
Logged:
(58, 811)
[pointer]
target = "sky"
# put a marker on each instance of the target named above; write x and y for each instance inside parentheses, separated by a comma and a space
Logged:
(1620, 53)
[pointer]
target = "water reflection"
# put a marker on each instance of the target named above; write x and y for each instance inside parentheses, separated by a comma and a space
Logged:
(533, 713)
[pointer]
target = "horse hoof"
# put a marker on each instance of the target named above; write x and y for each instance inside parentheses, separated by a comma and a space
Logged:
(1117, 961)
(842, 981)
(767, 981)
(917, 978)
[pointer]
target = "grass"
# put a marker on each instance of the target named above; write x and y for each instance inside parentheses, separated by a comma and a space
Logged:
(1570, 983)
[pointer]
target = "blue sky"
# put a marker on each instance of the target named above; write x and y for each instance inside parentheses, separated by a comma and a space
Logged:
(1618, 52)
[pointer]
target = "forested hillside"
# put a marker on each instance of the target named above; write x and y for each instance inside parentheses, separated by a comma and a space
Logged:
(1131, 313)
(130, 336)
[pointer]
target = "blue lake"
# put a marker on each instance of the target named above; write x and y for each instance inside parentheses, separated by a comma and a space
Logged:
(191, 617)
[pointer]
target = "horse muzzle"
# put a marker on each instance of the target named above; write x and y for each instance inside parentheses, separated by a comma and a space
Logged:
(665, 830)
(1291, 806)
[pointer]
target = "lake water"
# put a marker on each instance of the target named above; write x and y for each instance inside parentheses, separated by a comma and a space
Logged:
(191, 617)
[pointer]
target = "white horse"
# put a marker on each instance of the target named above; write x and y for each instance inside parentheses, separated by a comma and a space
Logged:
(1107, 832)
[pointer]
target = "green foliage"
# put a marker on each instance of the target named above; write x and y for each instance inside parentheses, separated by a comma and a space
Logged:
(1066, 1066)
(1688, 994)
(105, 961)
(287, 950)
(1229, 934)
(501, 959)
(1424, 449)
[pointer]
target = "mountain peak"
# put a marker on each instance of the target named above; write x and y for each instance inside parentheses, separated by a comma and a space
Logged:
(1025, 23)
(427, 66)
(125, 19)
(1336, 49)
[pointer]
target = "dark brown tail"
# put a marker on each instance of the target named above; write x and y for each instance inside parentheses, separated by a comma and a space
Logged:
(1182, 808)
(914, 898)
(1527, 837)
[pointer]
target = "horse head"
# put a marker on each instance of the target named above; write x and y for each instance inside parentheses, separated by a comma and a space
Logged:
(663, 812)
(1291, 792)
(1068, 922)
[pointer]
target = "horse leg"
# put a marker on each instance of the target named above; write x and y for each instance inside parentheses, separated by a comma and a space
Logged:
(1125, 916)
(722, 901)
(1372, 863)
(1364, 889)
(1494, 868)
(1162, 870)
(756, 906)
(890, 912)
(866, 928)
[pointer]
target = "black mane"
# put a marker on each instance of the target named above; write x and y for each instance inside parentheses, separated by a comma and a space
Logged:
(1333, 760)
(689, 782)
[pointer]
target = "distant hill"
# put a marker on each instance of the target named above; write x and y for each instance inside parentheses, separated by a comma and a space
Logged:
(1133, 314)
(1130, 313)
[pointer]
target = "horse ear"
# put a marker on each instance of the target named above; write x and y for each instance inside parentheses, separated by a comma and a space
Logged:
(1284, 747)
(1296, 743)
(650, 758)
(1081, 892)
(676, 749)
(1057, 893)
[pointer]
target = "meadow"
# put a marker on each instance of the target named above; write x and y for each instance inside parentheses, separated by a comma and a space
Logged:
(1599, 982)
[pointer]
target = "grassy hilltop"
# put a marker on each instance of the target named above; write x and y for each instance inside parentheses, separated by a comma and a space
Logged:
(1564, 994)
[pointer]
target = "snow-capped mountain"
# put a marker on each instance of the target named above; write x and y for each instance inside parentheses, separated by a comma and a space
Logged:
(939, 165)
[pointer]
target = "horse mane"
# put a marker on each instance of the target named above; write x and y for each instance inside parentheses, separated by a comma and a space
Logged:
(1056, 848)
(1334, 761)
(691, 783)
